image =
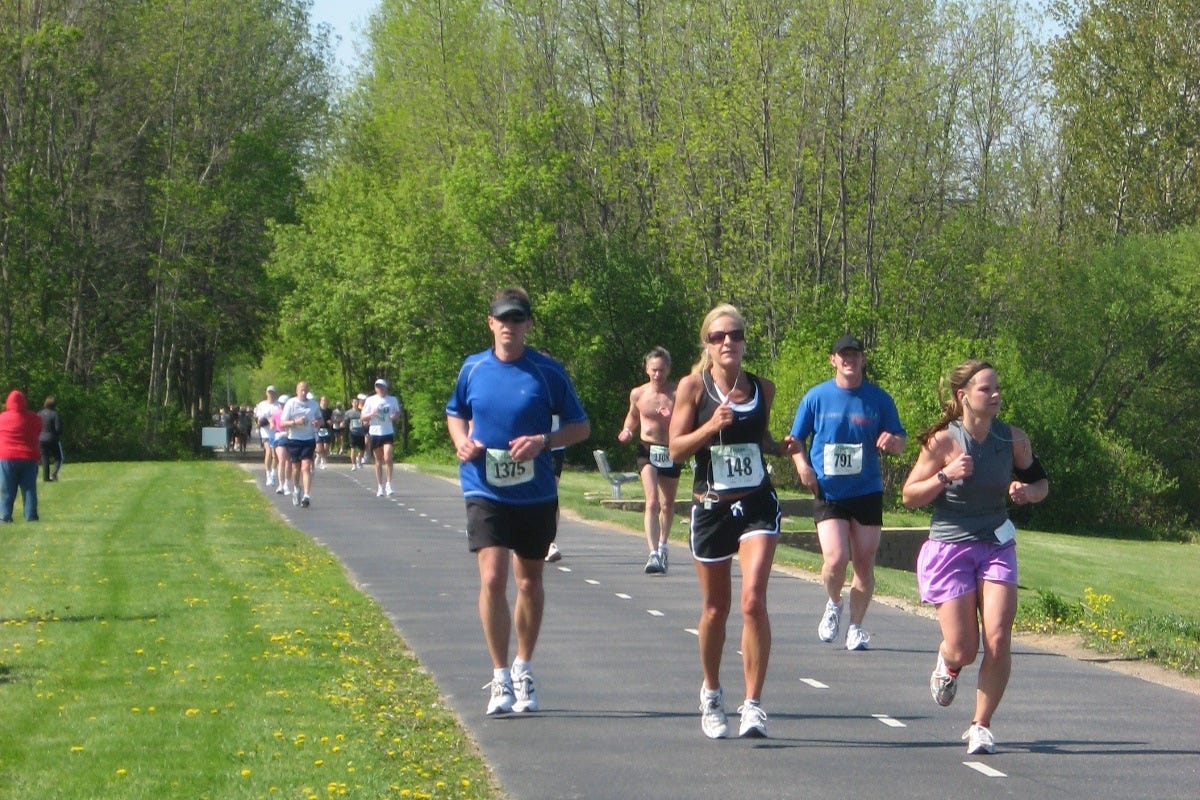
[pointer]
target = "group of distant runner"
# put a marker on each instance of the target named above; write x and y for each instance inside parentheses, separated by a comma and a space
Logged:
(295, 432)
(514, 410)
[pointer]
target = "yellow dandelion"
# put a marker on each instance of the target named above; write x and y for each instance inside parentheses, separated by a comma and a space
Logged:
(246, 772)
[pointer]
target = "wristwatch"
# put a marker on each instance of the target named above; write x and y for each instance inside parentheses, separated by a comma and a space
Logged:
(943, 478)
(545, 441)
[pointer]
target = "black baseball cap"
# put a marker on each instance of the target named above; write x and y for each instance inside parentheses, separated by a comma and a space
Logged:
(847, 342)
(510, 304)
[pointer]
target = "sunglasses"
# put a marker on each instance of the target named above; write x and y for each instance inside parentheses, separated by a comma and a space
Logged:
(514, 319)
(717, 337)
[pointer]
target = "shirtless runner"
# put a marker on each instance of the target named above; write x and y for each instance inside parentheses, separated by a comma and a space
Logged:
(650, 407)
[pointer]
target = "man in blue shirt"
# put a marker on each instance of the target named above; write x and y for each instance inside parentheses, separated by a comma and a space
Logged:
(850, 421)
(500, 420)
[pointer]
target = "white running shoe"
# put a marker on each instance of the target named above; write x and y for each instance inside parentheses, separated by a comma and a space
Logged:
(979, 740)
(387, 489)
(754, 721)
(943, 684)
(526, 696)
(553, 554)
(662, 556)
(270, 479)
(379, 492)
(830, 622)
(502, 698)
(712, 715)
(857, 638)
(305, 501)
(296, 496)
(653, 565)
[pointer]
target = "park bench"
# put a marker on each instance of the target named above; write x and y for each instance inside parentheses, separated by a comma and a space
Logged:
(615, 479)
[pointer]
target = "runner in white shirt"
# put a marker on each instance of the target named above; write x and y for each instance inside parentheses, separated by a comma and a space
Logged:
(299, 418)
(379, 414)
(262, 418)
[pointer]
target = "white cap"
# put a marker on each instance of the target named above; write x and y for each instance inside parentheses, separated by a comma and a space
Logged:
(283, 398)
(271, 390)
(381, 382)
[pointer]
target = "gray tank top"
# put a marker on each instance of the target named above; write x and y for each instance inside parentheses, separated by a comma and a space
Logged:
(972, 510)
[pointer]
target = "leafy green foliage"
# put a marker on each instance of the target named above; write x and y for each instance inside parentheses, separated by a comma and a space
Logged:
(927, 175)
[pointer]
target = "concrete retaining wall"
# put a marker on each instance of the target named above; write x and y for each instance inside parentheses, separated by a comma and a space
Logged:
(898, 547)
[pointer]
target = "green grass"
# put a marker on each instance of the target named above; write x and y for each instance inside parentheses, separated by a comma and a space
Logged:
(164, 634)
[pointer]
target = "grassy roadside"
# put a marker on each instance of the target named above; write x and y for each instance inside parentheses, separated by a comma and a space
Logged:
(1135, 599)
(164, 634)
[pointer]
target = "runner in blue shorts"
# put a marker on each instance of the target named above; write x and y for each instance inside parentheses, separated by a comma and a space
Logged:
(300, 417)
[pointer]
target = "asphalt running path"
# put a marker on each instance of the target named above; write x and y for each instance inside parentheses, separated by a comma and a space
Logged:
(618, 674)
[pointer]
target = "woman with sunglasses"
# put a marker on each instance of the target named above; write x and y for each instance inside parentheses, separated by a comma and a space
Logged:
(721, 417)
(970, 466)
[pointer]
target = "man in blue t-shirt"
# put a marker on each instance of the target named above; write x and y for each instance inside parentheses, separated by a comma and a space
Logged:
(500, 420)
(850, 421)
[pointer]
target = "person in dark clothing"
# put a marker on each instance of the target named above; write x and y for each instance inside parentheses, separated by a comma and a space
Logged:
(50, 440)
(19, 431)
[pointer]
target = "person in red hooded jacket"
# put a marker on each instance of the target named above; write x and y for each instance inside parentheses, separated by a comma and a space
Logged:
(19, 457)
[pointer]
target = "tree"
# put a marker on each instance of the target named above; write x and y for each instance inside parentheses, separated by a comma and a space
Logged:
(1126, 90)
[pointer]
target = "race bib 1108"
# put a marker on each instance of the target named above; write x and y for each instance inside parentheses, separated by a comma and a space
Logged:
(660, 456)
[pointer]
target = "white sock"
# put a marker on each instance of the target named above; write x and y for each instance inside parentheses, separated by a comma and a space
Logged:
(520, 667)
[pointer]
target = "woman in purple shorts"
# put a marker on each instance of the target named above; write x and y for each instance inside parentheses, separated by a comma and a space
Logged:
(970, 465)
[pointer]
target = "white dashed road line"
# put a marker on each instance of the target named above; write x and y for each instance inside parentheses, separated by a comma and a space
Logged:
(984, 769)
(889, 721)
